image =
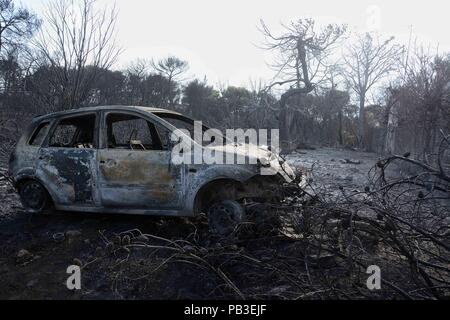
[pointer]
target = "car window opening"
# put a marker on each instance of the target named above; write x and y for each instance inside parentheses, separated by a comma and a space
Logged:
(74, 132)
(130, 132)
(39, 134)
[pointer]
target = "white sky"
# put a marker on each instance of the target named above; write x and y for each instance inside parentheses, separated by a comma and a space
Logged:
(219, 38)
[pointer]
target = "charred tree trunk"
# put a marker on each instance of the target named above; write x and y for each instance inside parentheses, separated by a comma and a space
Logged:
(288, 119)
(340, 129)
(361, 121)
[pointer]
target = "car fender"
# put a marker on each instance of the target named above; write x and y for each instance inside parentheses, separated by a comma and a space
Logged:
(206, 174)
(30, 173)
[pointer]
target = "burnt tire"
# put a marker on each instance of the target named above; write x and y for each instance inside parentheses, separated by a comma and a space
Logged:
(34, 197)
(224, 216)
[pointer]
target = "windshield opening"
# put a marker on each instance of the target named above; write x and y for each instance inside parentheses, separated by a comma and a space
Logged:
(185, 123)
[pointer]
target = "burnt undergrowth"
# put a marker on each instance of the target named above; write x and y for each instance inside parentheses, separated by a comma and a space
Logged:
(316, 243)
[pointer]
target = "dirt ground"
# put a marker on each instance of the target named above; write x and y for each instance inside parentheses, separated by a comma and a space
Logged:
(35, 251)
(335, 167)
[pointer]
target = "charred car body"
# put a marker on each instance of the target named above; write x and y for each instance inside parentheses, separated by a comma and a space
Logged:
(118, 159)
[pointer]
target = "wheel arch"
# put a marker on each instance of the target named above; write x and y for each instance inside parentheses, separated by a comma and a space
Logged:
(22, 179)
(221, 187)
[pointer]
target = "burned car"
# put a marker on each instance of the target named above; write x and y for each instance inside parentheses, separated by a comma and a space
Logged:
(118, 159)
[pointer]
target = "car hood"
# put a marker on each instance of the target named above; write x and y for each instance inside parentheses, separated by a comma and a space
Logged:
(270, 163)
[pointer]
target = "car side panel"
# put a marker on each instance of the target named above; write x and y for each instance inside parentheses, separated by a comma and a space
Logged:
(139, 179)
(69, 174)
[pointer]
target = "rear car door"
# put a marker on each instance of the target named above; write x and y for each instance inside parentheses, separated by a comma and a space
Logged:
(67, 161)
(134, 164)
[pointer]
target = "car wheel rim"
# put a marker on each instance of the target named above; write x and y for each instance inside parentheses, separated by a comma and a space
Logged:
(223, 218)
(33, 196)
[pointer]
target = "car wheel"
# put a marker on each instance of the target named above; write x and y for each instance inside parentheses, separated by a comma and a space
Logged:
(224, 216)
(34, 197)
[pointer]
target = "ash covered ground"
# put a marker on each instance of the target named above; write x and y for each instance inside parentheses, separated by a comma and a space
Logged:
(139, 257)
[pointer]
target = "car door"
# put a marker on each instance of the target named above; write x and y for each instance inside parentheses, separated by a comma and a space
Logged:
(67, 161)
(134, 165)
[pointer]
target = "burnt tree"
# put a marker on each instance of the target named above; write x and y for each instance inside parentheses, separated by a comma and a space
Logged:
(302, 61)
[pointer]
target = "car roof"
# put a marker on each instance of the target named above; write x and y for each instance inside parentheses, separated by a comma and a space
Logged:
(104, 108)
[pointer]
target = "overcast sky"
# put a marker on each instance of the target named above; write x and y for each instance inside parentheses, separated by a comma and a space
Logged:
(219, 38)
